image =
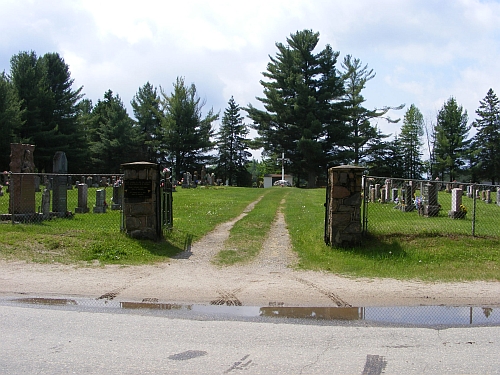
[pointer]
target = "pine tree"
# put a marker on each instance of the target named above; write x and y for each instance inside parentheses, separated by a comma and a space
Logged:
(487, 139)
(114, 139)
(451, 142)
(232, 145)
(186, 131)
(358, 118)
(146, 106)
(303, 106)
(411, 143)
(49, 104)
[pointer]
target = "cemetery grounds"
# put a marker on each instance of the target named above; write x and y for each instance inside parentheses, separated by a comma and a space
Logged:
(257, 247)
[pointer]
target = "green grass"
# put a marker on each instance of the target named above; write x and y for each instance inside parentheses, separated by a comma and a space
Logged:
(246, 237)
(97, 237)
(401, 245)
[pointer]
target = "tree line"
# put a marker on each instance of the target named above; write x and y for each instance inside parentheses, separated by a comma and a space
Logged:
(311, 109)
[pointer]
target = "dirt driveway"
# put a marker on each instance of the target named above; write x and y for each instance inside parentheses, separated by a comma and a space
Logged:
(267, 281)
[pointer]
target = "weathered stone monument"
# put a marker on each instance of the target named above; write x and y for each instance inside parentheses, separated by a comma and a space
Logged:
(82, 199)
(343, 207)
(100, 202)
(117, 195)
(141, 197)
(407, 198)
(60, 184)
(22, 187)
(431, 205)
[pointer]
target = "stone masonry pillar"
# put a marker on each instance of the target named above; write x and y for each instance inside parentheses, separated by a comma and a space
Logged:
(141, 200)
(343, 207)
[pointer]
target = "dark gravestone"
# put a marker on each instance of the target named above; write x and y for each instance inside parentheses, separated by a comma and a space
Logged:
(60, 183)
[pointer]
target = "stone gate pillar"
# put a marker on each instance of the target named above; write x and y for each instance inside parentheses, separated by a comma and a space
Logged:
(141, 200)
(343, 207)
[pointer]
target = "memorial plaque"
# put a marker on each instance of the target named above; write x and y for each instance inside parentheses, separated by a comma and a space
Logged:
(138, 189)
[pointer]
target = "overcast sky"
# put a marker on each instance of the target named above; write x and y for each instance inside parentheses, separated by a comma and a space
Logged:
(422, 51)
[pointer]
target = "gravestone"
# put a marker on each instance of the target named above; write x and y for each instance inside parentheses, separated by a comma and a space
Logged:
(185, 183)
(470, 191)
(498, 196)
(22, 187)
(407, 198)
(394, 194)
(203, 175)
(46, 204)
(382, 195)
(431, 205)
(117, 196)
(487, 197)
(388, 188)
(377, 192)
(60, 184)
(372, 194)
(343, 207)
(100, 201)
(82, 199)
(456, 211)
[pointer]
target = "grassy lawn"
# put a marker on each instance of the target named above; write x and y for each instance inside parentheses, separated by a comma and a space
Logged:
(89, 237)
(400, 245)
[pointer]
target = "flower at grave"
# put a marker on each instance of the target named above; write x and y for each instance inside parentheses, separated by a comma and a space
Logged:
(463, 209)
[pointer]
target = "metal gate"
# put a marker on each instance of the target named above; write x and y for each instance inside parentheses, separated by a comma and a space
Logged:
(166, 201)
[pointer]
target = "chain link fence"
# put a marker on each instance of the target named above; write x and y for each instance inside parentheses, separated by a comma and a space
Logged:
(405, 206)
(38, 197)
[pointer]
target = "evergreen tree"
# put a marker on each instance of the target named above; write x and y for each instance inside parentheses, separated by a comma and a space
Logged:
(358, 118)
(49, 107)
(487, 139)
(384, 158)
(10, 120)
(186, 131)
(411, 143)
(114, 139)
(146, 106)
(303, 107)
(451, 143)
(232, 145)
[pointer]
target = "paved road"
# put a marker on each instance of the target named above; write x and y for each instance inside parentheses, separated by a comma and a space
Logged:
(48, 340)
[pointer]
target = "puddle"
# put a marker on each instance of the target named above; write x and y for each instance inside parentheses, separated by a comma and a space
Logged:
(47, 301)
(413, 315)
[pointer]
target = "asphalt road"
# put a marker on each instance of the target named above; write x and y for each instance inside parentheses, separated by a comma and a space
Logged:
(49, 340)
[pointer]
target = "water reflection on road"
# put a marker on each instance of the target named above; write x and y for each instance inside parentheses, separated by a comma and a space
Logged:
(417, 315)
